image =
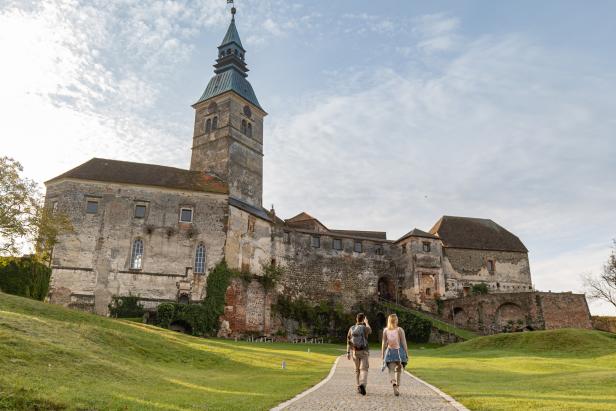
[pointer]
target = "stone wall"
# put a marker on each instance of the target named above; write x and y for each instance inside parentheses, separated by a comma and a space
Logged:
(493, 313)
(248, 308)
(465, 267)
(249, 242)
(607, 324)
(93, 264)
(325, 274)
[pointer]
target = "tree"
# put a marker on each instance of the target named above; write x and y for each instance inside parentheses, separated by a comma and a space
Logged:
(603, 286)
(18, 202)
(23, 215)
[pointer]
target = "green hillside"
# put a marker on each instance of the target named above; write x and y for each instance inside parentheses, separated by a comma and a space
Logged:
(540, 370)
(54, 358)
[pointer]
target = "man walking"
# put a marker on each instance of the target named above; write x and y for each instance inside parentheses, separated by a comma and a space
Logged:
(357, 348)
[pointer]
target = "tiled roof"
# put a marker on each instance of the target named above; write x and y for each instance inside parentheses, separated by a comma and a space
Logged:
(378, 235)
(126, 172)
(476, 233)
(256, 211)
(415, 232)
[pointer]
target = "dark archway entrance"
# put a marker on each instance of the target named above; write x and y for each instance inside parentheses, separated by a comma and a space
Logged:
(385, 288)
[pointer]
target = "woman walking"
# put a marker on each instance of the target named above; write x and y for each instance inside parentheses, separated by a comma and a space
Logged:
(394, 351)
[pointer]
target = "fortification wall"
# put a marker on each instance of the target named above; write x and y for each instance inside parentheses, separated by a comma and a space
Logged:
(493, 313)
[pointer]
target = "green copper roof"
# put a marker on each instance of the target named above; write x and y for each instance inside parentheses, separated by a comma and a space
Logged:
(230, 80)
(230, 69)
(232, 35)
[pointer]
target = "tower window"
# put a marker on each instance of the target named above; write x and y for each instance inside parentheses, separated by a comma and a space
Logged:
(287, 237)
(136, 259)
(215, 123)
(54, 207)
(243, 126)
(235, 52)
(228, 52)
(91, 207)
(315, 241)
(337, 244)
(426, 246)
(358, 247)
(208, 125)
(403, 248)
(200, 259)
(186, 215)
(249, 130)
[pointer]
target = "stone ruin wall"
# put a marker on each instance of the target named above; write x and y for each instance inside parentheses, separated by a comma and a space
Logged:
(465, 267)
(491, 313)
(93, 264)
(323, 274)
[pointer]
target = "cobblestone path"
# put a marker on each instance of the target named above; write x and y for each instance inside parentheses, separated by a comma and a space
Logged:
(339, 392)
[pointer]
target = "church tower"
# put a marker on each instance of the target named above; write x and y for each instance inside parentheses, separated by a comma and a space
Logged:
(228, 134)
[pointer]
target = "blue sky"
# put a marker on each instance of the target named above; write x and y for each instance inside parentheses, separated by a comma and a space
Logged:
(382, 116)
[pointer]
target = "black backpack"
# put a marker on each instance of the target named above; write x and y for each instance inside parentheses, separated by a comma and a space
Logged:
(358, 337)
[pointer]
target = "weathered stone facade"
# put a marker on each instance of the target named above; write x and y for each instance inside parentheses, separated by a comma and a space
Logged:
(155, 232)
(493, 313)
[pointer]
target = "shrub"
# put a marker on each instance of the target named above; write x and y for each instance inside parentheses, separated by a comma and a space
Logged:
(125, 307)
(164, 314)
(24, 276)
(481, 288)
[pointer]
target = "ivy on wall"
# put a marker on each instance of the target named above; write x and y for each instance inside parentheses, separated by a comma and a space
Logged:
(200, 319)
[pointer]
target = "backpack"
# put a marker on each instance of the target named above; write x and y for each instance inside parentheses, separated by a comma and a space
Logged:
(358, 337)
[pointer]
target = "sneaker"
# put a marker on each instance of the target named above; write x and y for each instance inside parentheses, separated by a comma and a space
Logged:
(396, 392)
(362, 389)
(359, 389)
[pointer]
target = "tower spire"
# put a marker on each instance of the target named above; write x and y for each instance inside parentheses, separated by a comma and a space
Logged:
(230, 68)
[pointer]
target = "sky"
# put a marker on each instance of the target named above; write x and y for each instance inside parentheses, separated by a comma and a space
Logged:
(382, 115)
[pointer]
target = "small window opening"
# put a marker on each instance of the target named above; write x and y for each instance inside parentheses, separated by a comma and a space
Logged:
(215, 123)
(403, 248)
(426, 246)
(249, 130)
(491, 266)
(358, 247)
(243, 126)
(140, 211)
(315, 241)
(186, 215)
(337, 244)
(378, 249)
(287, 237)
(92, 207)
(208, 125)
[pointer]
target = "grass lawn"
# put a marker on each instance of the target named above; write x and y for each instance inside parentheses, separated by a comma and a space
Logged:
(53, 358)
(541, 370)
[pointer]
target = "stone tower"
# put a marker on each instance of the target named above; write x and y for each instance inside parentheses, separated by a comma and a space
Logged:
(228, 134)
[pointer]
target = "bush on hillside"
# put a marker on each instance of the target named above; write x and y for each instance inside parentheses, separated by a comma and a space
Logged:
(126, 307)
(24, 276)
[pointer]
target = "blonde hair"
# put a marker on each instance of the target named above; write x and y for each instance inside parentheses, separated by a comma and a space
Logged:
(392, 322)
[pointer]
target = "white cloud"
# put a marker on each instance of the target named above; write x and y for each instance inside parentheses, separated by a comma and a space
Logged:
(437, 32)
(503, 129)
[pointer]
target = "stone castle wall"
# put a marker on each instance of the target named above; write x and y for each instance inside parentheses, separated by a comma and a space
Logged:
(465, 267)
(93, 264)
(492, 313)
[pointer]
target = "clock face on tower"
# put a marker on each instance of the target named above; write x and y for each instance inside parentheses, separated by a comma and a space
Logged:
(247, 111)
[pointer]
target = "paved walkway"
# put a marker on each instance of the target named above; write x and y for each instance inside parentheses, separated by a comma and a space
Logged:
(339, 393)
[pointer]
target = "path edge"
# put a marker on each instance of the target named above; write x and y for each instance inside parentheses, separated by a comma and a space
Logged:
(309, 390)
(446, 397)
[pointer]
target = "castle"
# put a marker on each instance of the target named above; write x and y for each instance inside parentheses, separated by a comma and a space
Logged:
(155, 232)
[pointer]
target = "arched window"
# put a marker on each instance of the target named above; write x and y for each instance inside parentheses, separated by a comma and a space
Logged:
(235, 52)
(208, 125)
(249, 133)
(215, 123)
(243, 126)
(200, 259)
(136, 259)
